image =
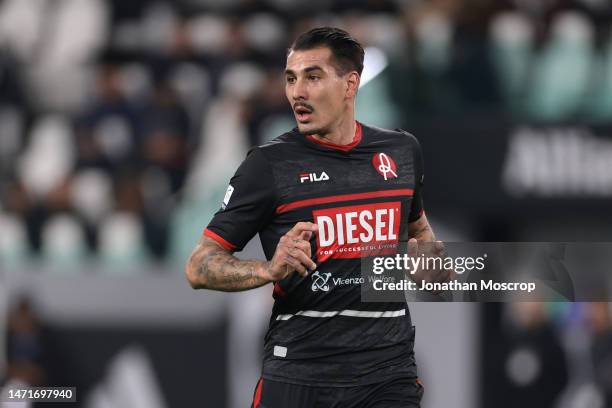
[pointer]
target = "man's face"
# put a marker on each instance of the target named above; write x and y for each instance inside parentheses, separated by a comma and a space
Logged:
(317, 94)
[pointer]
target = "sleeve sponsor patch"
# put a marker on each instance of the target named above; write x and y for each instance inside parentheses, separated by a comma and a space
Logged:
(228, 195)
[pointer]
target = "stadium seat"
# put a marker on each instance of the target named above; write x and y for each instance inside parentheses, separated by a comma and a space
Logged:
(63, 242)
(135, 80)
(114, 136)
(188, 223)
(598, 103)
(91, 194)
(512, 52)
(562, 71)
(193, 85)
(121, 242)
(241, 80)
(433, 41)
(158, 24)
(13, 240)
(374, 105)
(384, 31)
(264, 32)
(208, 33)
(88, 18)
(222, 148)
(21, 24)
(49, 156)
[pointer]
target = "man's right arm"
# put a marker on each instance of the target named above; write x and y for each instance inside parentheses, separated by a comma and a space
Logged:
(211, 266)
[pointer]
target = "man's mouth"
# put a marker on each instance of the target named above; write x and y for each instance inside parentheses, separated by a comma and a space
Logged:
(302, 113)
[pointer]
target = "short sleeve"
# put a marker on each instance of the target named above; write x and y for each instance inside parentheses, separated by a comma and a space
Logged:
(417, 209)
(248, 204)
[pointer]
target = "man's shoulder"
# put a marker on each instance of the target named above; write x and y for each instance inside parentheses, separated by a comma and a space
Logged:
(281, 144)
(375, 134)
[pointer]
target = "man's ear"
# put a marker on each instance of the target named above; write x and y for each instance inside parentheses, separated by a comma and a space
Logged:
(352, 84)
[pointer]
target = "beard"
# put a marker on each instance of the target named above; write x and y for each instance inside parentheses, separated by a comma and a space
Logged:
(312, 129)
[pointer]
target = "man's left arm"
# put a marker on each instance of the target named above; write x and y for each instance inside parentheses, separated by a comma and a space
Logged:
(421, 230)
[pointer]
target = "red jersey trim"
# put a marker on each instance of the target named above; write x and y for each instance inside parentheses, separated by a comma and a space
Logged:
(257, 397)
(344, 148)
(418, 216)
(219, 239)
(343, 197)
(278, 290)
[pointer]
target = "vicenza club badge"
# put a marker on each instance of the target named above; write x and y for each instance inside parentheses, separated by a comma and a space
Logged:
(384, 165)
(319, 281)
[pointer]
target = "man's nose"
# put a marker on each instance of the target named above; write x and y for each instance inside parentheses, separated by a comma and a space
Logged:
(299, 90)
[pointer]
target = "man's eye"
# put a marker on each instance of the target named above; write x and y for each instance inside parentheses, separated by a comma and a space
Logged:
(290, 80)
(314, 77)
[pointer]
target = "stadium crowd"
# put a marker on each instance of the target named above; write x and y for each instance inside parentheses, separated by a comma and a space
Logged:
(121, 121)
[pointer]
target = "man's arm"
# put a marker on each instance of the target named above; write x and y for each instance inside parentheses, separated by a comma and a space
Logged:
(211, 266)
(421, 230)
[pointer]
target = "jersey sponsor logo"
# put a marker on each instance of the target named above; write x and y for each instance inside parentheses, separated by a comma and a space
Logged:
(384, 165)
(357, 231)
(319, 281)
(313, 177)
(228, 195)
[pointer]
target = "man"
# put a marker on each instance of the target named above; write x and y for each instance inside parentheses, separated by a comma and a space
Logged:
(321, 197)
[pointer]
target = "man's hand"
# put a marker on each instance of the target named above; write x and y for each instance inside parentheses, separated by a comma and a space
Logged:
(211, 266)
(430, 250)
(293, 253)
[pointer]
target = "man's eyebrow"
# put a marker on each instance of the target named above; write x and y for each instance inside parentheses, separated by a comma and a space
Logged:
(313, 68)
(307, 69)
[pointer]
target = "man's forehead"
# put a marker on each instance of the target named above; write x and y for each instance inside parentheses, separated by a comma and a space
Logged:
(301, 59)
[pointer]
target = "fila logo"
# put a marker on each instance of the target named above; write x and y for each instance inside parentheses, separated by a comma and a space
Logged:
(357, 231)
(313, 177)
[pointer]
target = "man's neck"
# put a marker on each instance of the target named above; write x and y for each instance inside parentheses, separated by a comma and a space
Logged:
(342, 134)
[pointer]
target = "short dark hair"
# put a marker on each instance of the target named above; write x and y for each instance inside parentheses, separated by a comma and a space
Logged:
(346, 51)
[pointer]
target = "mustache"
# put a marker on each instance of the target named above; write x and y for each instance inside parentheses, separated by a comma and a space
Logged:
(302, 105)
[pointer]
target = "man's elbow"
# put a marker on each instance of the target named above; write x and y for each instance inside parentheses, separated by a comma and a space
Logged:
(192, 276)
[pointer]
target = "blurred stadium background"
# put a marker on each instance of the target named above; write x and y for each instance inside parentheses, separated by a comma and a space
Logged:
(121, 123)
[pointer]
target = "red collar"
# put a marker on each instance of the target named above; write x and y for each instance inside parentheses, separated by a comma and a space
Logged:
(344, 148)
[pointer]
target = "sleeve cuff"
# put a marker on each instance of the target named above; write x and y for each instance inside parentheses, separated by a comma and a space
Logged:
(419, 215)
(219, 240)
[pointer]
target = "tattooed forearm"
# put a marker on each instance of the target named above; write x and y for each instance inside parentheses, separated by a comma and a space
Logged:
(212, 267)
(421, 230)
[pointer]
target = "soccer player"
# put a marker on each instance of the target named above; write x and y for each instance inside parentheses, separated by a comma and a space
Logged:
(321, 197)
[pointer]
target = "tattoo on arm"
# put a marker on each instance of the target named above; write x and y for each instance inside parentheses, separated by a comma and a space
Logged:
(213, 267)
(421, 230)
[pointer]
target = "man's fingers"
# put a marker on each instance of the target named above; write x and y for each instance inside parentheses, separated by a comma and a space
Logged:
(296, 265)
(303, 246)
(300, 227)
(306, 235)
(303, 258)
(413, 247)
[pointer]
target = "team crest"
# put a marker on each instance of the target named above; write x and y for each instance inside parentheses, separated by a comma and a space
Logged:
(384, 165)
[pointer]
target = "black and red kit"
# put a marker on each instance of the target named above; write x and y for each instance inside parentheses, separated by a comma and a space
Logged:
(362, 197)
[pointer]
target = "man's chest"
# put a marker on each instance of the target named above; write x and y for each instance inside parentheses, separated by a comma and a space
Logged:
(312, 176)
(360, 202)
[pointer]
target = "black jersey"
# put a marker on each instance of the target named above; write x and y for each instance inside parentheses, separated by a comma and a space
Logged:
(362, 197)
